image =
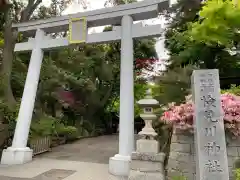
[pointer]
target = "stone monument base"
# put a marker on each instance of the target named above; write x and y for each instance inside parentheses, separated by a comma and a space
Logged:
(146, 145)
(119, 165)
(182, 156)
(147, 166)
(11, 156)
(138, 175)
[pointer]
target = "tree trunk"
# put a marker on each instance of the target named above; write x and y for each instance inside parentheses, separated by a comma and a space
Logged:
(10, 38)
(92, 111)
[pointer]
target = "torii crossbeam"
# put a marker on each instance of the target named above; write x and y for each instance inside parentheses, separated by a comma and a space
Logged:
(77, 25)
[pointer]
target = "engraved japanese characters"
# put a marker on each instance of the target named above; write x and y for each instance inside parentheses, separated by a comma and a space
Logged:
(209, 133)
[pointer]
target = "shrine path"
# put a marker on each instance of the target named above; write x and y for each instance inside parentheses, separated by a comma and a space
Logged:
(85, 159)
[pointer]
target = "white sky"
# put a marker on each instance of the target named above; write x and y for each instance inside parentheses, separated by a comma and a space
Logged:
(97, 4)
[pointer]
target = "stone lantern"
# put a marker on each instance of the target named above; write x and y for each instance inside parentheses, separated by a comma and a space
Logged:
(148, 104)
(147, 162)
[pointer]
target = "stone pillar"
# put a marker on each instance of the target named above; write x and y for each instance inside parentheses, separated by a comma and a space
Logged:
(19, 153)
(210, 143)
(120, 164)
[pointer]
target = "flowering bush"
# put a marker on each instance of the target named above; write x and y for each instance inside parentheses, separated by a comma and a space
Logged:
(182, 116)
(145, 64)
(142, 65)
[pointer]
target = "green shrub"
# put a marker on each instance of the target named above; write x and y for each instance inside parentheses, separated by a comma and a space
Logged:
(50, 126)
(159, 111)
(87, 128)
(45, 126)
(179, 178)
(237, 174)
(91, 129)
(233, 90)
(9, 115)
(59, 129)
(69, 132)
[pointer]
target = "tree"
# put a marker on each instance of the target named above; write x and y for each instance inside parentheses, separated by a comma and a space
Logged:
(69, 92)
(145, 56)
(139, 93)
(18, 13)
(117, 2)
(4, 4)
(174, 85)
(218, 24)
(184, 49)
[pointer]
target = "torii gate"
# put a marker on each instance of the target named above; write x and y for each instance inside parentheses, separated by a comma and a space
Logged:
(78, 24)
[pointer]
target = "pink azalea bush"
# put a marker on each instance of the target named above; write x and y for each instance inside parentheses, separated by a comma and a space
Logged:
(181, 117)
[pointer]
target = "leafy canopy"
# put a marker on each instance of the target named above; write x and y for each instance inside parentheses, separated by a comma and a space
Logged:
(219, 23)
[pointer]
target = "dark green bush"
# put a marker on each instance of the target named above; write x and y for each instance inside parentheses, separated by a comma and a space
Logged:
(237, 164)
(7, 114)
(45, 126)
(233, 90)
(69, 132)
(59, 129)
(49, 126)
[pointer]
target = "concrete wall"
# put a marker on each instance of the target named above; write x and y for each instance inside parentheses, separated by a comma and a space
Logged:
(182, 156)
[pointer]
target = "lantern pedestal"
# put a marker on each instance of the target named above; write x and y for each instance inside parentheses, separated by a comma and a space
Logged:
(147, 143)
(148, 129)
(147, 146)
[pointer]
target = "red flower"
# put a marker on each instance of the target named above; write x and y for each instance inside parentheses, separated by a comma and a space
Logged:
(67, 97)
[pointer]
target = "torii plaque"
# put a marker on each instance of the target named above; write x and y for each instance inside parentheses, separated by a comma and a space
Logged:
(77, 30)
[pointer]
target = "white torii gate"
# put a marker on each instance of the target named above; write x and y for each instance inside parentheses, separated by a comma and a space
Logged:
(78, 24)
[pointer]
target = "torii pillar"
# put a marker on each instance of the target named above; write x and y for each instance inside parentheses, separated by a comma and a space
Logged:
(120, 163)
(19, 153)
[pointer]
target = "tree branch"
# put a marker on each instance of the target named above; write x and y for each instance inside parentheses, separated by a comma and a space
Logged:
(34, 6)
(106, 96)
(28, 11)
(17, 10)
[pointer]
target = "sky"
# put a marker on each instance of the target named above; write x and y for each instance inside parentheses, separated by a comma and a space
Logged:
(97, 4)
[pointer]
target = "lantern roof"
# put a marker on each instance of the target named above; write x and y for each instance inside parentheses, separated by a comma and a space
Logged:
(148, 101)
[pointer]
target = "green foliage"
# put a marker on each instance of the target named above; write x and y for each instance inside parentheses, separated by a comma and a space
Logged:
(70, 132)
(237, 169)
(8, 114)
(218, 24)
(174, 85)
(49, 126)
(139, 93)
(90, 72)
(233, 90)
(118, 2)
(61, 130)
(201, 35)
(237, 164)
(43, 127)
(159, 111)
(85, 128)
(179, 178)
(237, 174)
